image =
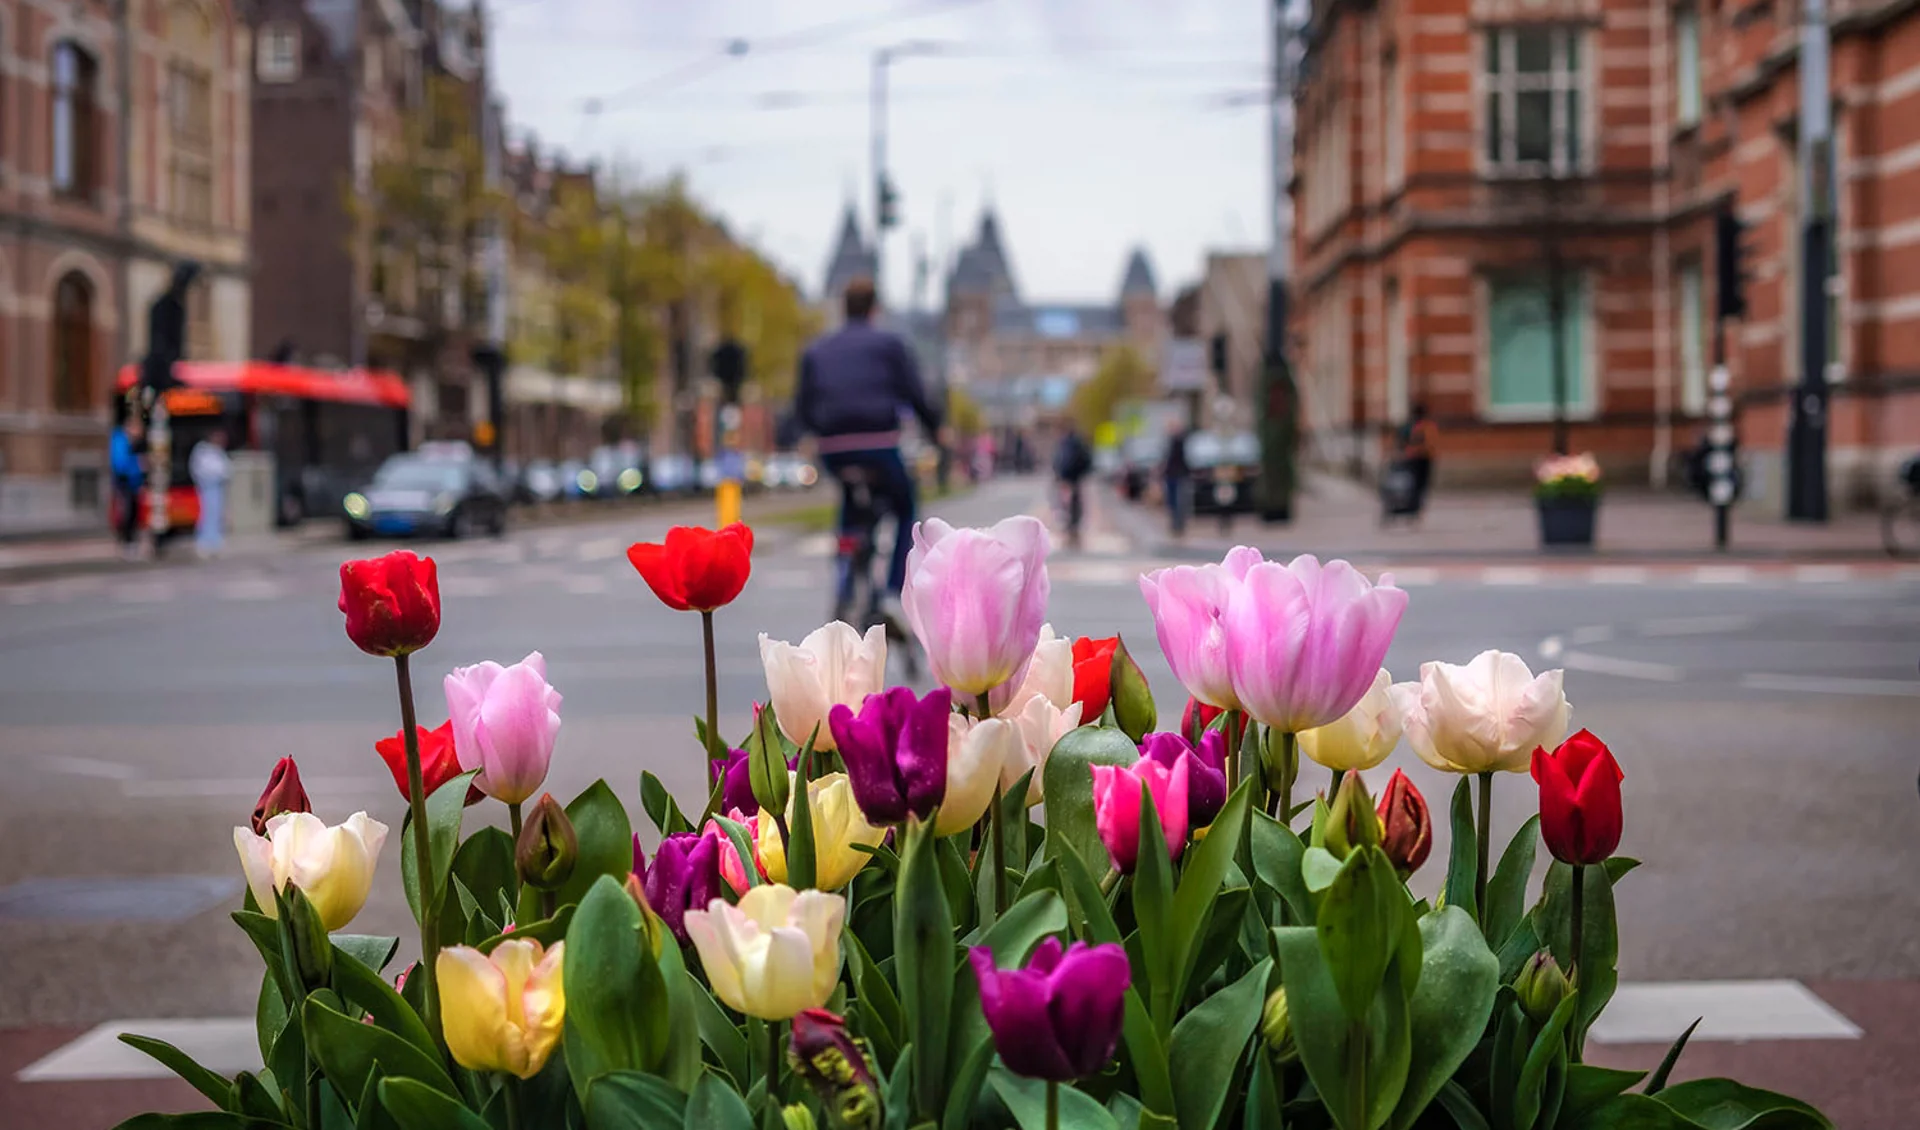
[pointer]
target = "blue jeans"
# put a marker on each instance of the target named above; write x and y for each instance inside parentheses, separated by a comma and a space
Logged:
(210, 533)
(894, 491)
(1177, 503)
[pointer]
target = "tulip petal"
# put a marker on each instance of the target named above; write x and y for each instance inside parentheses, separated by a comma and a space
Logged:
(712, 940)
(1087, 994)
(1017, 1009)
(473, 1007)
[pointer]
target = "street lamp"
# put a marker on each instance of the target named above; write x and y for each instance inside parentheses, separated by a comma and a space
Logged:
(884, 198)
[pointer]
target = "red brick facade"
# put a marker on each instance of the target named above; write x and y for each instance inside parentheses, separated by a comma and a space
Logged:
(1450, 152)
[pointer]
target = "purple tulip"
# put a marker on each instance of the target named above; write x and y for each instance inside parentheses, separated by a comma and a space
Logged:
(738, 791)
(1059, 1018)
(685, 875)
(895, 750)
(1304, 641)
(1206, 773)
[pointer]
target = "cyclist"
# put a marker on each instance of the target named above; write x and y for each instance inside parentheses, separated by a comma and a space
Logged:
(855, 385)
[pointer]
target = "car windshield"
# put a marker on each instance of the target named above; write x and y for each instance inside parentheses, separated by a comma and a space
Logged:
(420, 474)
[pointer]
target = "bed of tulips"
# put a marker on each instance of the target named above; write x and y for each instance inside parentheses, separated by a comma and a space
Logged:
(865, 925)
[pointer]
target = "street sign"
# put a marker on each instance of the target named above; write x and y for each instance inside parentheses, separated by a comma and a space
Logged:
(1183, 366)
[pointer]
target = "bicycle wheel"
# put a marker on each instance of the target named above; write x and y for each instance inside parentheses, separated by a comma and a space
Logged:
(1900, 528)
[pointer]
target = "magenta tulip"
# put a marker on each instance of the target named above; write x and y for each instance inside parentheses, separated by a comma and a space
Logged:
(1189, 606)
(1304, 641)
(1059, 1018)
(1206, 770)
(895, 751)
(1116, 806)
(684, 875)
(976, 600)
(505, 720)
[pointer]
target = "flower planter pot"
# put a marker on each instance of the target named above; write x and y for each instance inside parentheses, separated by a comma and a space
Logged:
(1567, 521)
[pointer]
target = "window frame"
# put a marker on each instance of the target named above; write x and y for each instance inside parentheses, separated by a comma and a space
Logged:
(73, 102)
(190, 143)
(277, 54)
(1580, 300)
(69, 393)
(1694, 326)
(1500, 84)
(1688, 64)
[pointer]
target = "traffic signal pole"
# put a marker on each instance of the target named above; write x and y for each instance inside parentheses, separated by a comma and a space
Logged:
(1807, 435)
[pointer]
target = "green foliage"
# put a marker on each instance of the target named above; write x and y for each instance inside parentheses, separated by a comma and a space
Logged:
(1123, 375)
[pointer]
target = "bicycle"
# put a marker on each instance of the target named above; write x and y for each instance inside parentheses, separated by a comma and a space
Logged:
(1900, 519)
(856, 596)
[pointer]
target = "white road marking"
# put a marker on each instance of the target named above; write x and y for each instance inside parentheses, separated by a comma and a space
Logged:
(1619, 575)
(1621, 668)
(817, 545)
(1697, 625)
(90, 767)
(600, 549)
(1822, 574)
(1097, 572)
(225, 1045)
(1722, 575)
(1510, 575)
(1829, 684)
(1592, 633)
(1416, 577)
(250, 588)
(1727, 1010)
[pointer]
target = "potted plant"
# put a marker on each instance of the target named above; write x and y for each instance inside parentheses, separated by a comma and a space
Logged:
(1566, 488)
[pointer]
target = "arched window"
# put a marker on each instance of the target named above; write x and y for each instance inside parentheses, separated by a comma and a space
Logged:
(73, 343)
(76, 146)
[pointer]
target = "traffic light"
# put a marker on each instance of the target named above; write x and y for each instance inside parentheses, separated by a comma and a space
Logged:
(728, 364)
(1732, 254)
(889, 204)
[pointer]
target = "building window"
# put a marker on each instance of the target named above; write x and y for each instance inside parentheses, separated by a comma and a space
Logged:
(1533, 99)
(1399, 396)
(1391, 125)
(1520, 331)
(190, 148)
(1693, 339)
(1686, 65)
(200, 340)
(73, 343)
(278, 57)
(75, 121)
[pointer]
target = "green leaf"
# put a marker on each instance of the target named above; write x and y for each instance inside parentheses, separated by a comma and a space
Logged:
(802, 868)
(715, 1106)
(1549, 1048)
(1026, 1100)
(1207, 1045)
(1087, 909)
(873, 990)
(621, 1024)
(630, 1100)
(1722, 1104)
(1511, 1040)
(1152, 894)
(924, 963)
(484, 865)
(963, 1096)
(216, 1087)
(1448, 1011)
(1361, 1083)
(1589, 1086)
(416, 1106)
(444, 808)
(1359, 925)
(606, 843)
(369, 950)
(1277, 858)
(546, 931)
(1657, 1082)
(1133, 706)
(349, 1051)
(287, 1059)
(253, 1098)
(682, 1067)
(1067, 781)
(1318, 869)
(269, 1015)
(1631, 1112)
(1147, 1054)
(1463, 861)
(264, 933)
(1597, 976)
(361, 987)
(1455, 1101)
(1507, 890)
(741, 844)
(1205, 869)
(198, 1120)
(720, 1034)
(661, 808)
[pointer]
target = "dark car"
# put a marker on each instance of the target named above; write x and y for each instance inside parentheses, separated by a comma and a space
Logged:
(1225, 471)
(425, 493)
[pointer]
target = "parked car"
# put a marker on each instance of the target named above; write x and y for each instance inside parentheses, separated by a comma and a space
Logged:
(577, 480)
(1225, 471)
(673, 474)
(617, 472)
(542, 482)
(428, 492)
(788, 471)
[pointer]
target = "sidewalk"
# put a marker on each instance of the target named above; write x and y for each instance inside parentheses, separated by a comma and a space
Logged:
(1336, 517)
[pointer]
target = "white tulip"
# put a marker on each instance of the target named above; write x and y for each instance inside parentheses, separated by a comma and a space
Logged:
(833, 666)
(1363, 737)
(1049, 675)
(333, 867)
(976, 751)
(1488, 715)
(773, 955)
(1041, 724)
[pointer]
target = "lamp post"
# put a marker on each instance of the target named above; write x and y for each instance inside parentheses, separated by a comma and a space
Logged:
(884, 199)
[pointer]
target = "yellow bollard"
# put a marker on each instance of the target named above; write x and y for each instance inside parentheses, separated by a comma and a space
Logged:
(726, 499)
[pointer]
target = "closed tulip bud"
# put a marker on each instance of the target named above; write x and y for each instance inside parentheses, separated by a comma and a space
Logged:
(1279, 763)
(1132, 698)
(797, 1117)
(1541, 986)
(1406, 827)
(312, 948)
(1351, 821)
(768, 778)
(835, 1065)
(548, 847)
(1276, 1028)
(283, 794)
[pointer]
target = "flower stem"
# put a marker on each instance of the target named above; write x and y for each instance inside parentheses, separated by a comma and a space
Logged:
(1576, 942)
(1289, 770)
(422, 850)
(983, 706)
(512, 1088)
(1483, 833)
(714, 750)
(773, 1065)
(1333, 790)
(1111, 880)
(1053, 1105)
(514, 823)
(1232, 728)
(313, 1092)
(995, 859)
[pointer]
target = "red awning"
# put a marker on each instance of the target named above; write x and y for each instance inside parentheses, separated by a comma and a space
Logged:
(350, 386)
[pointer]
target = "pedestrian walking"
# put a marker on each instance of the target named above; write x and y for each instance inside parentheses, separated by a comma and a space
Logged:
(1404, 490)
(211, 469)
(123, 456)
(1072, 463)
(1177, 477)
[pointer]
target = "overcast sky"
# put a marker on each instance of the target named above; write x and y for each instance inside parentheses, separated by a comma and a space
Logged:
(1092, 125)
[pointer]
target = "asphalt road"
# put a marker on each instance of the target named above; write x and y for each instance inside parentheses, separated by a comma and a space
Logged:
(1766, 728)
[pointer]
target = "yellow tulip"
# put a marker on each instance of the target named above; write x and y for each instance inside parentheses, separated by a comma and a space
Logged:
(502, 1011)
(773, 955)
(837, 826)
(1363, 737)
(333, 866)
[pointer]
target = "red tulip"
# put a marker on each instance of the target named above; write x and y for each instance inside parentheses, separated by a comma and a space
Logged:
(1093, 675)
(1579, 799)
(696, 570)
(283, 794)
(392, 603)
(1407, 829)
(438, 763)
(1195, 719)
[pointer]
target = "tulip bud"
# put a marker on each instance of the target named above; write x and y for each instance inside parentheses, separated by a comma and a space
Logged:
(767, 772)
(1132, 698)
(548, 846)
(283, 794)
(1351, 822)
(1280, 761)
(834, 1064)
(654, 930)
(797, 1117)
(1541, 986)
(1276, 1028)
(312, 948)
(1407, 829)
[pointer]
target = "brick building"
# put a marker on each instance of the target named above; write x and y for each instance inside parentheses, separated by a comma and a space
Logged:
(1482, 182)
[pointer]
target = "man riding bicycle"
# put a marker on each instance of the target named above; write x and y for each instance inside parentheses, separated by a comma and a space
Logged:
(855, 384)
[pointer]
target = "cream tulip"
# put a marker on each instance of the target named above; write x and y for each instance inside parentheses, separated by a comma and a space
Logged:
(775, 954)
(838, 825)
(502, 1011)
(1049, 675)
(1485, 716)
(833, 666)
(333, 866)
(976, 750)
(1363, 737)
(1041, 724)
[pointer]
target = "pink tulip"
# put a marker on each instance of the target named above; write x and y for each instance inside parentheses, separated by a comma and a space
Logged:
(1116, 806)
(505, 720)
(1305, 641)
(976, 600)
(1189, 607)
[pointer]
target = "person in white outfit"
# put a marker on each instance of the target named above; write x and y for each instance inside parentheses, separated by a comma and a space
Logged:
(210, 468)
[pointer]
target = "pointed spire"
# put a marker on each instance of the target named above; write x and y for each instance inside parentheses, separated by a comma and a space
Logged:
(852, 256)
(1138, 279)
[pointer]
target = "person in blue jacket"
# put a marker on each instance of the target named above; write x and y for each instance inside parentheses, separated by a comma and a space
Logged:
(128, 477)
